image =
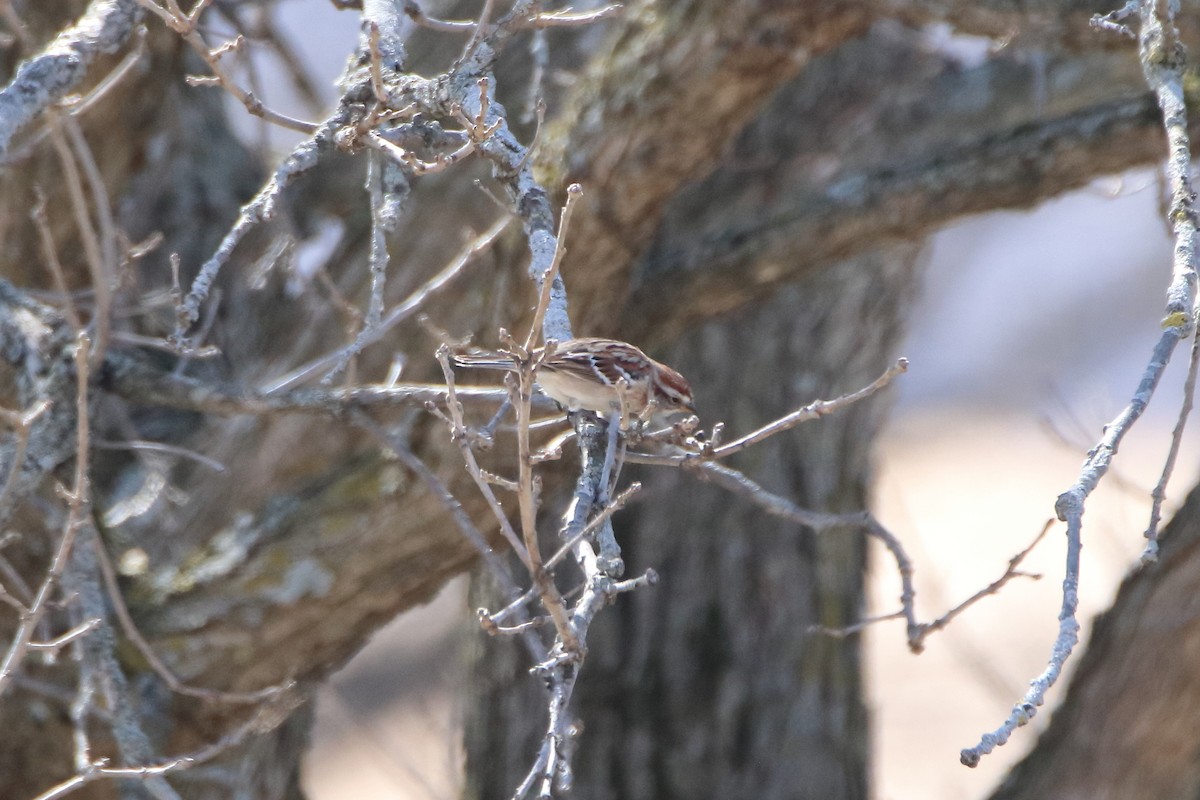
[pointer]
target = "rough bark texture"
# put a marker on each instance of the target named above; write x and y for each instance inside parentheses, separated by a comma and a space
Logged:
(729, 697)
(756, 174)
(707, 685)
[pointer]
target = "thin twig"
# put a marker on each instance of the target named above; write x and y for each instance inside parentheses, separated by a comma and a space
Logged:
(570, 19)
(992, 588)
(50, 253)
(554, 19)
(93, 249)
(814, 410)
(260, 209)
(44, 80)
(499, 569)
(1159, 495)
(106, 233)
(64, 639)
(406, 308)
(458, 435)
(98, 769)
(383, 220)
(22, 425)
(1160, 52)
(159, 447)
(568, 546)
(481, 24)
(551, 598)
(186, 27)
(418, 16)
(546, 281)
(75, 520)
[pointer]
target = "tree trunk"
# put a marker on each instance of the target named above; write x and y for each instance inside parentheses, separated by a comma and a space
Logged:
(709, 684)
(758, 176)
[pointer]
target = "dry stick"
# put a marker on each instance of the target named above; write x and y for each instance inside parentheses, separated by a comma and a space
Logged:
(64, 639)
(594, 524)
(567, 19)
(376, 65)
(81, 707)
(159, 447)
(92, 248)
(75, 520)
(266, 31)
(10, 574)
(458, 434)
(98, 653)
(776, 505)
(261, 208)
(477, 33)
(441, 161)
(554, 19)
(1112, 21)
(78, 106)
(186, 26)
(475, 129)
(418, 16)
(377, 266)
(917, 636)
(97, 769)
(188, 394)
(535, 106)
(46, 78)
(22, 425)
(542, 579)
(406, 308)
(1158, 51)
(574, 193)
(992, 588)
(50, 254)
(618, 503)
(499, 569)
(11, 600)
(107, 233)
(551, 598)
(814, 410)
(553, 760)
(1159, 495)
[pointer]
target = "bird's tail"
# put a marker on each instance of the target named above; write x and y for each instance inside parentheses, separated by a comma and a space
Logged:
(484, 359)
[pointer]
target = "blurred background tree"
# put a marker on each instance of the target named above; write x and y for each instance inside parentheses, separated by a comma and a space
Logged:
(760, 178)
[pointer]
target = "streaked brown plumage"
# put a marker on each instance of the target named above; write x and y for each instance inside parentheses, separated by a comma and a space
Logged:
(585, 373)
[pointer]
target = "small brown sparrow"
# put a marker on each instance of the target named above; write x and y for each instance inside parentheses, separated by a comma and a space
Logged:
(585, 374)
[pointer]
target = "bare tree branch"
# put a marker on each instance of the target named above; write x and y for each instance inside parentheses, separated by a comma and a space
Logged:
(50, 76)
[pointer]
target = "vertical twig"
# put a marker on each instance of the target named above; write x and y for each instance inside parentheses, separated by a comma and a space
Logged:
(1159, 495)
(76, 518)
(549, 593)
(1163, 60)
(546, 280)
(22, 425)
(93, 249)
